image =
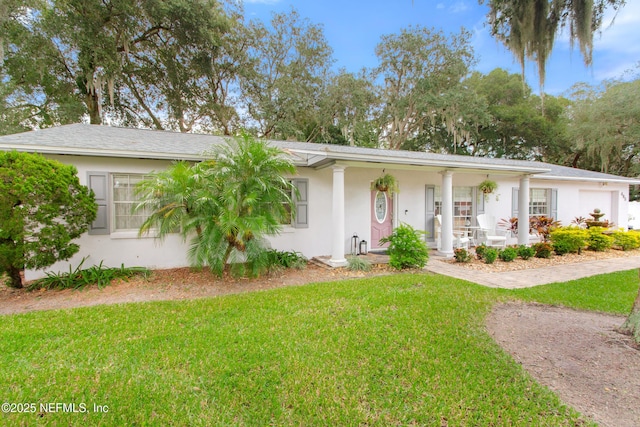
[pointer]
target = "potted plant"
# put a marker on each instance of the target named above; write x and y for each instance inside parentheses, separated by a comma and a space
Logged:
(385, 183)
(487, 186)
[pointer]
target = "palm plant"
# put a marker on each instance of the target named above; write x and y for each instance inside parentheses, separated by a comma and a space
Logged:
(175, 198)
(226, 205)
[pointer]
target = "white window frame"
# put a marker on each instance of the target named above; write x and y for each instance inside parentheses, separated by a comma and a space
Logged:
(539, 201)
(463, 209)
(113, 210)
(545, 200)
(299, 205)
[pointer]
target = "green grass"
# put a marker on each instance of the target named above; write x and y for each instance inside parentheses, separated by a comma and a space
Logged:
(396, 350)
(610, 293)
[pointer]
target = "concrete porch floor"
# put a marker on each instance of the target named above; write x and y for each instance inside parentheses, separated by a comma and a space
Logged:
(372, 257)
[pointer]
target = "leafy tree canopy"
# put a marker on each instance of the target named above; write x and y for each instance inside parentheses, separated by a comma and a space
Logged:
(290, 59)
(519, 127)
(605, 127)
(422, 70)
(70, 57)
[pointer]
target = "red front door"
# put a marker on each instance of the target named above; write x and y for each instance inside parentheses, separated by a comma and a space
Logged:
(381, 221)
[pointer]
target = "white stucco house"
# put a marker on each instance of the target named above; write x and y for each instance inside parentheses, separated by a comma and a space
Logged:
(336, 200)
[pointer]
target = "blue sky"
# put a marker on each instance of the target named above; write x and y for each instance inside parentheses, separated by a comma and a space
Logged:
(353, 28)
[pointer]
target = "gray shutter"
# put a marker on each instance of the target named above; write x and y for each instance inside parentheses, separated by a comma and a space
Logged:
(514, 202)
(301, 203)
(553, 203)
(430, 213)
(99, 183)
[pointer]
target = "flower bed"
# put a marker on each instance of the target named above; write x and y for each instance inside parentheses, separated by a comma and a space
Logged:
(520, 264)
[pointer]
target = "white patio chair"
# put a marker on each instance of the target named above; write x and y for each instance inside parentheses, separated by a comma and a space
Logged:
(460, 238)
(488, 234)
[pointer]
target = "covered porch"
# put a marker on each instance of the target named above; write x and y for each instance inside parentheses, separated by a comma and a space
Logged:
(415, 174)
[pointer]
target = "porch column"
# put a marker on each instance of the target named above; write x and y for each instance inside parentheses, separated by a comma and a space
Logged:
(337, 235)
(523, 211)
(446, 235)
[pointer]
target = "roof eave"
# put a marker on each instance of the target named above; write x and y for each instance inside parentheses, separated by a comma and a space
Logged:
(324, 160)
(103, 153)
(70, 151)
(592, 179)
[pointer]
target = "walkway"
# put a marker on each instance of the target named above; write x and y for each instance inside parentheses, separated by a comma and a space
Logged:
(533, 276)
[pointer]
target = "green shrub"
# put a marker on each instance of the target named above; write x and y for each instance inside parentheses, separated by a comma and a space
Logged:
(626, 240)
(569, 240)
(490, 255)
(508, 254)
(285, 259)
(78, 278)
(561, 248)
(480, 250)
(525, 252)
(598, 241)
(358, 264)
(543, 249)
(43, 210)
(462, 255)
(407, 249)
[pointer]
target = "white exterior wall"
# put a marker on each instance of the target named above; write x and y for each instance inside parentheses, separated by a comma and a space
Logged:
(125, 247)
(575, 198)
(409, 208)
(315, 240)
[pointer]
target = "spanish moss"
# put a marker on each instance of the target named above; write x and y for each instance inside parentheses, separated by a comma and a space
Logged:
(529, 28)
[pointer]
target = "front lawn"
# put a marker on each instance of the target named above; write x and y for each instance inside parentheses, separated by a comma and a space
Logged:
(395, 350)
(610, 293)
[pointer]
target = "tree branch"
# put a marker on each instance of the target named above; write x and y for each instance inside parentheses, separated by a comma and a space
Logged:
(144, 105)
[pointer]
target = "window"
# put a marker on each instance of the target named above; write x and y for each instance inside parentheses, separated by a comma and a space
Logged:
(462, 205)
(124, 200)
(300, 204)
(115, 197)
(539, 199)
(542, 202)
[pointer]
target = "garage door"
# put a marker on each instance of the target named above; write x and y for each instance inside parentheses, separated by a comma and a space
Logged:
(590, 200)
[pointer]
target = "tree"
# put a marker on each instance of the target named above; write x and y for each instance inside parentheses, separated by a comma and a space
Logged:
(132, 57)
(605, 127)
(346, 106)
(344, 111)
(290, 62)
(33, 92)
(528, 28)
(226, 205)
(457, 129)
(180, 78)
(43, 207)
(422, 72)
(518, 127)
(177, 198)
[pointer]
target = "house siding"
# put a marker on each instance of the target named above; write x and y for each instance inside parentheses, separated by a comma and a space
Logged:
(114, 249)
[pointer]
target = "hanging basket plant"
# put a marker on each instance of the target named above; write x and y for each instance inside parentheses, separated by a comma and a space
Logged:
(487, 186)
(385, 183)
